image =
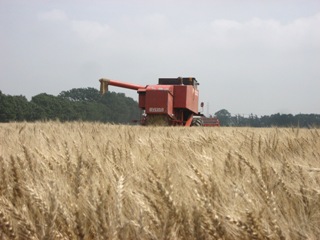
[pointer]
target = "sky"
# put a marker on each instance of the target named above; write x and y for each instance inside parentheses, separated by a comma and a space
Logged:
(250, 56)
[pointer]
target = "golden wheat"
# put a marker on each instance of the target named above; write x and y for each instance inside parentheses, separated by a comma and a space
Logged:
(100, 181)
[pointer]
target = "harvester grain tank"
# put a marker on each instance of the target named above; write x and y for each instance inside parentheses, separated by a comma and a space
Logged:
(173, 101)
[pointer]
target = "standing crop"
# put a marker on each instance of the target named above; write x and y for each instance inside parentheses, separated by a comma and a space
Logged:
(100, 181)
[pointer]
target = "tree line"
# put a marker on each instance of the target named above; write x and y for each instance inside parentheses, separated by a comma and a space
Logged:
(274, 120)
(85, 104)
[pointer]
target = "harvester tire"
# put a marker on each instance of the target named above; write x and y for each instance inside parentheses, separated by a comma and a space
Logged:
(197, 122)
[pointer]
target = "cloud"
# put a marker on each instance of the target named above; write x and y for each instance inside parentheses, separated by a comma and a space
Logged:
(90, 31)
(267, 33)
(53, 15)
(87, 30)
(157, 29)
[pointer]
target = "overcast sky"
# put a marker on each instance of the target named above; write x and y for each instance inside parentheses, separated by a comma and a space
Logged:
(250, 56)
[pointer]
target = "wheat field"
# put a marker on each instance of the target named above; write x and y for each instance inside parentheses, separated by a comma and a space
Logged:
(101, 181)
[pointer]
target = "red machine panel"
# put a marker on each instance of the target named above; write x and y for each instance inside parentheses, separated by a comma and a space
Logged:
(159, 99)
(186, 97)
(142, 98)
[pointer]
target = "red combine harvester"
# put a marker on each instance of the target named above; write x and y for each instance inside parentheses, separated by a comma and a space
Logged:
(173, 101)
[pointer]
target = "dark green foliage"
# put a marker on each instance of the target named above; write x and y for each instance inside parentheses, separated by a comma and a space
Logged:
(13, 108)
(81, 94)
(84, 104)
(224, 117)
(274, 120)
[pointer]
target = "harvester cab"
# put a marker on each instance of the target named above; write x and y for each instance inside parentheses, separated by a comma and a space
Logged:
(173, 101)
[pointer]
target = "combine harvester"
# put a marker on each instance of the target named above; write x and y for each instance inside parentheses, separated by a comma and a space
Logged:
(173, 102)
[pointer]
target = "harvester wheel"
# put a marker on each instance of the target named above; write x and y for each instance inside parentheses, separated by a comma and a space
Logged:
(197, 122)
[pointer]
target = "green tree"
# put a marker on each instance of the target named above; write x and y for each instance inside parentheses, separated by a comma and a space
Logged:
(110, 107)
(224, 117)
(77, 104)
(13, 108)
(51, 108)
(81, 94)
